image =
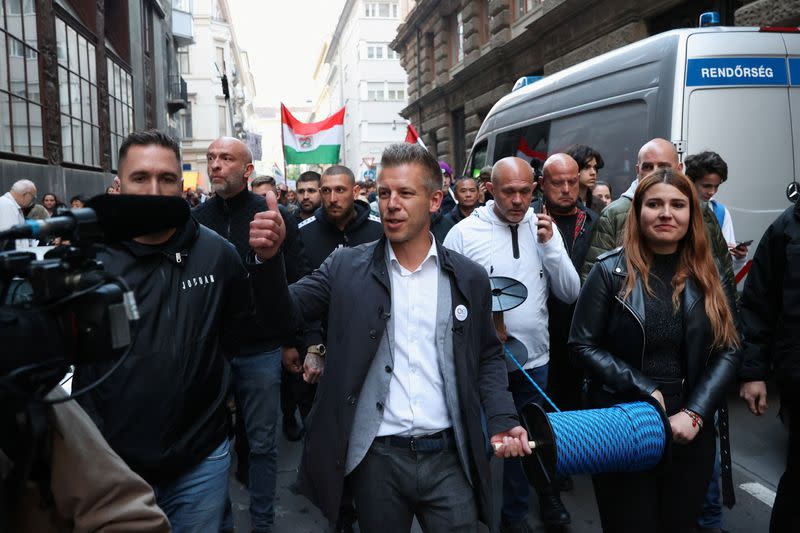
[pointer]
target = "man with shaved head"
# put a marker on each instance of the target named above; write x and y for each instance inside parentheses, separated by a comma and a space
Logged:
(656, 153)
(575, 222)
(257, 365)
(510, 240)
(21, 196)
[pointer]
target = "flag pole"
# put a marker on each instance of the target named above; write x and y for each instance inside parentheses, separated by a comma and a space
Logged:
(283, 149)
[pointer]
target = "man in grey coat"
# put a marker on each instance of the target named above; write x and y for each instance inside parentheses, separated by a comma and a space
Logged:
(415, 385)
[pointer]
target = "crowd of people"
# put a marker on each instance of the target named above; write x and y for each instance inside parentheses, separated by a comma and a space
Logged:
(359, 315)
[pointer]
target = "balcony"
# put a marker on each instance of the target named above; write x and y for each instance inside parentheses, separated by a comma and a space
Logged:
(182, 27)
(177, 97)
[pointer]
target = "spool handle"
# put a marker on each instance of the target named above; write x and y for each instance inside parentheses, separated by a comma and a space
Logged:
(498, 445)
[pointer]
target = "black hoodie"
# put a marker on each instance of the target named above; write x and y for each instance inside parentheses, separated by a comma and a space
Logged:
(321, 237)
(165, 409)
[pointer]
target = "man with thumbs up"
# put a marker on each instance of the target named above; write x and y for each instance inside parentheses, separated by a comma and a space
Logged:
(412, 367)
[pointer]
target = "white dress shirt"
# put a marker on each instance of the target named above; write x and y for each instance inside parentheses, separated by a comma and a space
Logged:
(416, 403)
(11, 215)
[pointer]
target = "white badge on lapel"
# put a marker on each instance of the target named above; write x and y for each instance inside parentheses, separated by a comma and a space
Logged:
(461, 313)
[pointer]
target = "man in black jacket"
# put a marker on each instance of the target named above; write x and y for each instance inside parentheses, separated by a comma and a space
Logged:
(257, 368)
(399, 414)
(341, 221)
(560, 187)
(770, 310)
(165, 411)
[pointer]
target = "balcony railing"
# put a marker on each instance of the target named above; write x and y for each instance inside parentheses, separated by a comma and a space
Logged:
(177, 97)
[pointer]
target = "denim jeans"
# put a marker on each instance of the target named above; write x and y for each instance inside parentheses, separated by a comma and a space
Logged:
(256, 385)
(712, 507)
(516, 490)
(195, 501)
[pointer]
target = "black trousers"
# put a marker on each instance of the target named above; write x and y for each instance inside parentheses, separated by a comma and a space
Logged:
(296, 394)
(666, 499)
(393, 485)
(786, 511)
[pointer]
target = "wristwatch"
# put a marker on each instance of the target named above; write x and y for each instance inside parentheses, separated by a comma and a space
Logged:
(317, 349)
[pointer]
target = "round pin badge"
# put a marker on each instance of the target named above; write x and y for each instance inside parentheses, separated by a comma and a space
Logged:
(461, 313)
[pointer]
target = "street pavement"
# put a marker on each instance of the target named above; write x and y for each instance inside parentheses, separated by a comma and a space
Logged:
(758, 450)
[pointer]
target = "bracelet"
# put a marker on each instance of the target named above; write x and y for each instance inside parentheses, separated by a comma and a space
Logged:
(696, 420)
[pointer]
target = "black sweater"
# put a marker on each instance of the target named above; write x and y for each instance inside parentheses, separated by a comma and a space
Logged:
(231, 219)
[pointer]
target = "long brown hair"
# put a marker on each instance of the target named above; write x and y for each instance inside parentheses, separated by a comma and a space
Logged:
(695, 259)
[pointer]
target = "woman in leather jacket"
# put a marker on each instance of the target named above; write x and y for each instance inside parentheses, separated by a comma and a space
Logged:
(653, 320)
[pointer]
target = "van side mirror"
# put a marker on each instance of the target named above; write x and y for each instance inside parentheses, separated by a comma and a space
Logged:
(793, 192)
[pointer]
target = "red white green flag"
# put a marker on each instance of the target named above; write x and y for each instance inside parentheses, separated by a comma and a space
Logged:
(312, 143)
(413, 137)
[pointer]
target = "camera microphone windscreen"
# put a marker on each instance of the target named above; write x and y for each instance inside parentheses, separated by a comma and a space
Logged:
(125, 216)
(118, 217)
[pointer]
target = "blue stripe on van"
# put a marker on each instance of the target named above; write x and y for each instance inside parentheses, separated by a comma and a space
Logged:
(794, 70)
(737, 71)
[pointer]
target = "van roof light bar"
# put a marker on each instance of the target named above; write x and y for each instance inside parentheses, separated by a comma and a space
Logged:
(709, 18)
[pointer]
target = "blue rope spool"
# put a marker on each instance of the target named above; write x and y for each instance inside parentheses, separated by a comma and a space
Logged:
(626, 437)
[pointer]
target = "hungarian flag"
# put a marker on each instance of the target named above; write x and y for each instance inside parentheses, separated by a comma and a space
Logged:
(413, 137)
(313, 143)
(527, 153)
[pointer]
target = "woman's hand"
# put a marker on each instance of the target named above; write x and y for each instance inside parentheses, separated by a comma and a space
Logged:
(684, 429)
(659, 398)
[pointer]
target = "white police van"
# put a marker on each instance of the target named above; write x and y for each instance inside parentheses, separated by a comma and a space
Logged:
(735, 91)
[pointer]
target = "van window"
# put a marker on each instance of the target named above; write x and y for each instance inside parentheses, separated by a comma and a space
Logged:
(478, 158)
(751, 129)
(527, 142)
(617, 132)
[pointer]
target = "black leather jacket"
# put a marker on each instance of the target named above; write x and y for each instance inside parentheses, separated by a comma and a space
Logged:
(607, 340)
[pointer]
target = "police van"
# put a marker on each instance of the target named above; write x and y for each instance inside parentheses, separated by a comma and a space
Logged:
(735, 91)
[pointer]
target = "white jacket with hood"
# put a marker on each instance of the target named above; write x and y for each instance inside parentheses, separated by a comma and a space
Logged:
(486, 239)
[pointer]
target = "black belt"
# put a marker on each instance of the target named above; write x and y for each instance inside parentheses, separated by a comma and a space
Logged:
(435, 442)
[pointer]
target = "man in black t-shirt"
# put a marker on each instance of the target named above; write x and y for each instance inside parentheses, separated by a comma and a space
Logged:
(560, 186)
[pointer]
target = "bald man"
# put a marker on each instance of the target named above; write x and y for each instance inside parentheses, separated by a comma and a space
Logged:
(656, 153)
(575, 222)
(257, 365)
(21, 196)
(508, 239)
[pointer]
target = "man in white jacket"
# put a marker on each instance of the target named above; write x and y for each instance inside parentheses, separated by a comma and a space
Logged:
(508, 239)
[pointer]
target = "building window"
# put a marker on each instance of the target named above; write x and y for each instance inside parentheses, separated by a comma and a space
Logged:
(526, 6)
(120, 106)
(77, 87)
(20, 104)
(222, 118)
(185, 122)
(396, 92)
(182, 54)
(381, 9)
(430, 56)
(182, 5)
(220, 59)
(456, 39)
(380, 51)
(375, 91)
(376, 51)
(483, 21)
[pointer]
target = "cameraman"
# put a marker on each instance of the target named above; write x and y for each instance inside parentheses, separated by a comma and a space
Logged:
(90, 487)
(165, 411)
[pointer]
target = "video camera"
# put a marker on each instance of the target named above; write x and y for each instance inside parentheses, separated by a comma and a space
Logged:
(66, 309)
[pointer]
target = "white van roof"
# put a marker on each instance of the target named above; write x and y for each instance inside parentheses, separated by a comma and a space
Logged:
(646, 61)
